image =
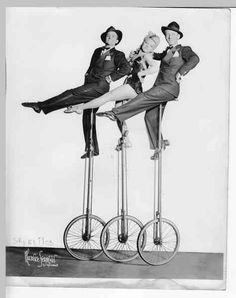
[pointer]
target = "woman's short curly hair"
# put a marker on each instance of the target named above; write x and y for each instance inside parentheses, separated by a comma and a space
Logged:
(153, 36)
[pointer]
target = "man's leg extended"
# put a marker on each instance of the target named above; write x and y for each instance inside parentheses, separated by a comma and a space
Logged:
(142, 102)
(70, 97)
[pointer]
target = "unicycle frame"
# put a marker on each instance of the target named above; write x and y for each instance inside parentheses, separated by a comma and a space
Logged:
(119, 235)
(158, 241)
(82, 235)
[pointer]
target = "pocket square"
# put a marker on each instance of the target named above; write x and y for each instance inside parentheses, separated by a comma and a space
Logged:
(108, 58)
(176, 54)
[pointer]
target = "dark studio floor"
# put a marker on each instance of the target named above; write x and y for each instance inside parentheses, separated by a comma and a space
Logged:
(56, 262)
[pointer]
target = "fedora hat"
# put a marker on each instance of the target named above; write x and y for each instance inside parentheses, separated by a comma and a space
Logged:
(172, 26)
(111, 28)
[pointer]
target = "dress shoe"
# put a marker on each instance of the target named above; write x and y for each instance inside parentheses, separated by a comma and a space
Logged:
(33, 105)
(86, 155)
(108, 114)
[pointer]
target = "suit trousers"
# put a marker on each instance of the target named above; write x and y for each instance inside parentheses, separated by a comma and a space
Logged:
(148, 101)
(152, 124)
(86, 128)
(81, 94)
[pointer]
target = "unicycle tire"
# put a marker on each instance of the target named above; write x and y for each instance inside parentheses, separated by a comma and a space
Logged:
(158, 253)
(116, 248)
(76, 245)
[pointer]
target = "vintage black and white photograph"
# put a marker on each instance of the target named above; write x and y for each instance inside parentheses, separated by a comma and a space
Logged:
(117, 147)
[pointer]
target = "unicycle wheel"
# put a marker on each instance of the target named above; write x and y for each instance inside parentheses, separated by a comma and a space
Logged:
(158, 250)
(82, 245)
(121, 247)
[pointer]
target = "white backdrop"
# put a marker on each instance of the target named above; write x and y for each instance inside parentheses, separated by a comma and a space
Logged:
(48, 51)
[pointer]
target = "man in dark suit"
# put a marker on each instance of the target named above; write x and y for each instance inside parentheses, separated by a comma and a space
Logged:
(176, 62)
(107, 65)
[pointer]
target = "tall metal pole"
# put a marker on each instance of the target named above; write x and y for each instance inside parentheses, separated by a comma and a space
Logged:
(158, 181)
(159, 230)
(160, 160)
(90, 179)
(124, 228)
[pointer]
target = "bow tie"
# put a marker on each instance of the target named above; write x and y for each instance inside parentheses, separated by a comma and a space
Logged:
(170, 48)
(104, 50)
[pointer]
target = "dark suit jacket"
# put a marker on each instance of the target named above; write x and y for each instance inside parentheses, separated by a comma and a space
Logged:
(113, 63)
(180, 59)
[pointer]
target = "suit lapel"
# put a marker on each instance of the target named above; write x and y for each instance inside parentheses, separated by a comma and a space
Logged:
(103, 56)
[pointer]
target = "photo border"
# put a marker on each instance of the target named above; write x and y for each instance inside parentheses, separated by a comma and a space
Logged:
(115, 3)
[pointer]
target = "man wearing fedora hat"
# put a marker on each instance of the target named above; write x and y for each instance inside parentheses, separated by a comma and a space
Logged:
(176, 62)
(107, 65)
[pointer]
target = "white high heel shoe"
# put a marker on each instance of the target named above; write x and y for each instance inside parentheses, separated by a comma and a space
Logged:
(77, 109)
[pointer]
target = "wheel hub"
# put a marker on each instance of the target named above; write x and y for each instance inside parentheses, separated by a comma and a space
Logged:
(157, 241)
(86, 237)
(122, 238)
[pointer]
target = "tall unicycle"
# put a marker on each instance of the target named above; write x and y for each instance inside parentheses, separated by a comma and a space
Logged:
(123, 230)
(82, 234)
(161, 235)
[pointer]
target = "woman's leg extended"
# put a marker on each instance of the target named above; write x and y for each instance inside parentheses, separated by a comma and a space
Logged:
(119, 93)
